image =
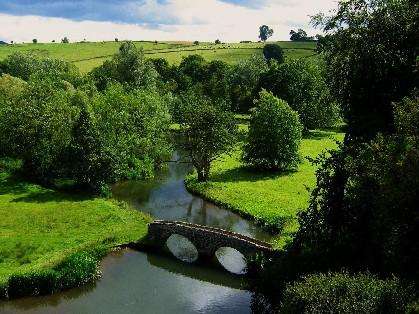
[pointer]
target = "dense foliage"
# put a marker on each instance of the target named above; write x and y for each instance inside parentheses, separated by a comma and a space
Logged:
(301, 84)
(371, 59)
(65, 131)
(343, 293)
(128, 67)
(274, 135)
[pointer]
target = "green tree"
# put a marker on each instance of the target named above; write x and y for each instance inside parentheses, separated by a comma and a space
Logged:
(370, 57)
(274, 135)
(35, 41)
(244, 82)
(273, 52)
(265, 32)
(299, 35)
(208, 133)
(128, 67)
(302, 85)
(65, 40)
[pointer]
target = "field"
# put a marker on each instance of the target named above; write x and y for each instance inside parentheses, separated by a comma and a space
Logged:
(270, 199)
(88, 55)
(39, 228)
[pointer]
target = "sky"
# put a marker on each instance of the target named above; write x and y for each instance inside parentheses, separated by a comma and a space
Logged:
(203, 20)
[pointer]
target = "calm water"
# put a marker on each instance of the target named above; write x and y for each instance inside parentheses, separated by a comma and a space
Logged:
(137, 282)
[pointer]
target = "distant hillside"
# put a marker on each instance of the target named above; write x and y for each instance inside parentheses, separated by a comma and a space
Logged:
(92, 54)
(3, 42)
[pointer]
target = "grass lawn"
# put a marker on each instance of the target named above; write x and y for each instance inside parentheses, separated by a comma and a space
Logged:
(41, 228)
(269, 198)
(89, 55)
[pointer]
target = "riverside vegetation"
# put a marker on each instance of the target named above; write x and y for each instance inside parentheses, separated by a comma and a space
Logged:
(346, 216)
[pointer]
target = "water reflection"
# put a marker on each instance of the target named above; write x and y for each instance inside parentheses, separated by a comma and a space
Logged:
(232, 260)
(167, 198)
(182, 248)
(135, 282)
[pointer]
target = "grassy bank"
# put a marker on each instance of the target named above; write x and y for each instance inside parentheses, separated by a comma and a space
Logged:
(272, 199)
(88, 55)
(51, 240)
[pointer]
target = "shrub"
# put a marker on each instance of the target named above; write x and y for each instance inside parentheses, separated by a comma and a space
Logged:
(78, 270)
(273, 52)
(32, 284)
(344, 293)
(274, 135)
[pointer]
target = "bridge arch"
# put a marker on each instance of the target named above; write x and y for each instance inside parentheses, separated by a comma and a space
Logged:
(206, 240)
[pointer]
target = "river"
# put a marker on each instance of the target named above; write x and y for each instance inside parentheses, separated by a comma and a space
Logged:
(139, 282)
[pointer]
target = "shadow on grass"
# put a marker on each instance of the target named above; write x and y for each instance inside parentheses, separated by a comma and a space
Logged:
(248, 174)
(318, 135)
(52, 196)
(33, 193)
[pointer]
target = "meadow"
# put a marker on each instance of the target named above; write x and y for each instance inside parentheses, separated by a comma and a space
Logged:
(42, 228)
(272, 199)
(88, 55)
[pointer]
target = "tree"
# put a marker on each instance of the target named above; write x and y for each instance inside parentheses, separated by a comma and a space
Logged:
(274, 135)
(35, 41)
(116, 40)
(208, 131)
(299, 35)
(244, 80)
(65, 40)
(265, 32)
(129, 67)
(273, 51)
(196, 42)
(302, 85)
(217, 41)
(370, 58)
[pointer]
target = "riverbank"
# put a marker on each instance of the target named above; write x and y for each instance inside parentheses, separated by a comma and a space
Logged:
(272, 199)
(51, 240)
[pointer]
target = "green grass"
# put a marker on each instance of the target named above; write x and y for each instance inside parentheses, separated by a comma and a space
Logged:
(42, 229)
(272, 199)
(88, 55)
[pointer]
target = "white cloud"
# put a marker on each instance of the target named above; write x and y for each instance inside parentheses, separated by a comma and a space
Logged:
(203, 20)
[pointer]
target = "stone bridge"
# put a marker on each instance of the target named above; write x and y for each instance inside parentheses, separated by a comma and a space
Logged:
(207, 240)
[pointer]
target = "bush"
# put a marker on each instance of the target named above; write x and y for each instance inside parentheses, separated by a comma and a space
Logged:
(274, 135)
(77, 270)
(273, 52)
(32, 284)
(344, 293)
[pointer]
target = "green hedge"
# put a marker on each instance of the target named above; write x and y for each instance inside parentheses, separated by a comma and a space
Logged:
(345, 293)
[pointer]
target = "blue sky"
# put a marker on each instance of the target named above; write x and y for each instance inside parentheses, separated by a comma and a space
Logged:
(229, 20)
